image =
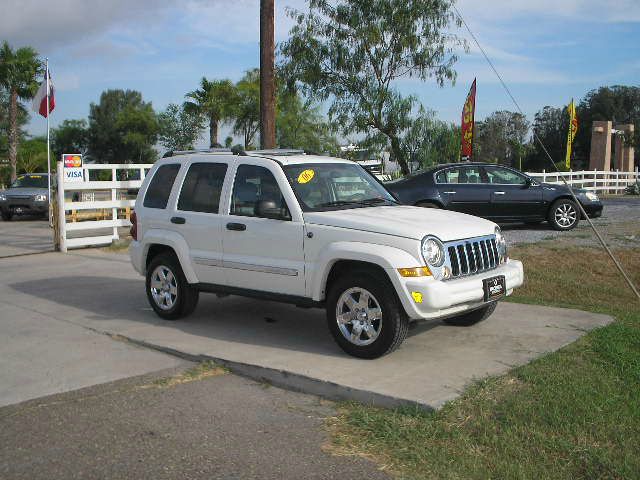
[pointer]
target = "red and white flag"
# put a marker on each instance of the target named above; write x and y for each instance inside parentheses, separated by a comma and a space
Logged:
(40, 100)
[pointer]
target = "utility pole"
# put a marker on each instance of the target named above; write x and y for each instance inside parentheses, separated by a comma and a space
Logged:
(267, 76)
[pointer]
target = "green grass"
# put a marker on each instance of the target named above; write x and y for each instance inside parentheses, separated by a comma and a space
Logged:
(571, 414)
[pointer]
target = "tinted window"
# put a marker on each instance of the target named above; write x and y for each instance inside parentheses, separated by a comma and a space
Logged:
(459, 175)
(30, 181)
(252, 185)
(202, 187)
(160, 187)
(503, 176)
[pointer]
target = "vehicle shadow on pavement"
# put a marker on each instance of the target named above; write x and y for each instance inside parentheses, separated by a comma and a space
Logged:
(111, 305)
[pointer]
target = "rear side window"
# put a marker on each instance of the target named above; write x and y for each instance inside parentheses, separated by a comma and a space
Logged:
(202, 187)
(160, 187)
(459, 175)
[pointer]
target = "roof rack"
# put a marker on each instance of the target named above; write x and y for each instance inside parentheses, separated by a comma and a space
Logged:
(281, 152)
(173, 153)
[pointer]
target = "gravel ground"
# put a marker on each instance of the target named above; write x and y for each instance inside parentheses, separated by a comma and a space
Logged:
(619, 225)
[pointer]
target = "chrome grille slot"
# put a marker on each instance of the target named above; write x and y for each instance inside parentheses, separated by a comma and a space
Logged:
(471, 256)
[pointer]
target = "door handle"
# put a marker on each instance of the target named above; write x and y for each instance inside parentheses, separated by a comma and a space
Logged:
(239, 227)
(450, 193)
(178, 220)
(499, 193)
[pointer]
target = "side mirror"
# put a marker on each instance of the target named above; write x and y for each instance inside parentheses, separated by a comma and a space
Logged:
(269, 209)
(529, 182)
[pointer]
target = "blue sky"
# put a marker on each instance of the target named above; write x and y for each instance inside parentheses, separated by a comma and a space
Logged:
(548, 51)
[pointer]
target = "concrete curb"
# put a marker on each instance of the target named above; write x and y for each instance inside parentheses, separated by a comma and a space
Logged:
(287, 380)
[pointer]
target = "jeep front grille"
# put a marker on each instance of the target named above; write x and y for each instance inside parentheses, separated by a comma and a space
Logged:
(471, 256)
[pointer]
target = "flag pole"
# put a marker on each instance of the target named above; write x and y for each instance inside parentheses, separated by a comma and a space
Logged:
(46, 73)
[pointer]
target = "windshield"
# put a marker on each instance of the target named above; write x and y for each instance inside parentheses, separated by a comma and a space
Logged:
(30, 181)
(335, 186)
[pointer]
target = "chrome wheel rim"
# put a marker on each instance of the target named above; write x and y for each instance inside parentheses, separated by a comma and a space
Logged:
(566, 215)
(164, 287)
(359, 316)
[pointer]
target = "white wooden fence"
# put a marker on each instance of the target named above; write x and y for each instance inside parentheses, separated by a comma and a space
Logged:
(608, 182)
(95, 206)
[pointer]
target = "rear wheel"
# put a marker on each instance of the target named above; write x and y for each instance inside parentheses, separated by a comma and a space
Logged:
(6, 215)
(564, 214)
(473, 317)
(365, 316)
(168, 291)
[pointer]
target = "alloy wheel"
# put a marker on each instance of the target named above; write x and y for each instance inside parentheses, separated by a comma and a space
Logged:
(164, 287)
(359, 316)
(565, 215)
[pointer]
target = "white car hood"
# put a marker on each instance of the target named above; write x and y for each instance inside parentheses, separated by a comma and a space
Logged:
(405, 221)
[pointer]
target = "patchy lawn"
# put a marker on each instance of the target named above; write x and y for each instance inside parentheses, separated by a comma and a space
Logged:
(571, 414)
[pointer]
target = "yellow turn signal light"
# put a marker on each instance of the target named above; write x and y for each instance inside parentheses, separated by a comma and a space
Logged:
(415, 272)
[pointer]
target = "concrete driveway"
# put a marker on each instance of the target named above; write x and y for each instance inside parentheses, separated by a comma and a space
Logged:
(25, 235)
(282, 344)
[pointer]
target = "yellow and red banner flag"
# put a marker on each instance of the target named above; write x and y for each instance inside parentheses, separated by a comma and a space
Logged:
(468, 120)
(573, 130)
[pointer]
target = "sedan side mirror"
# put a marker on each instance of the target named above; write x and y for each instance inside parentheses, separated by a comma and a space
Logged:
(269, 209)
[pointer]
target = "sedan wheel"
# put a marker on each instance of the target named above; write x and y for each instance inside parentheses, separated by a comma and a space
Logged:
(564, 215)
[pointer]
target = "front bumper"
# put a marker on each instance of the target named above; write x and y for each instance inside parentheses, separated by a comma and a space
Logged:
(445, 298)
(24, 205)
(592, 209)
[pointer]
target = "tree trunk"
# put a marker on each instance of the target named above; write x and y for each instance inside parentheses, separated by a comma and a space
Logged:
(398, 154)
(267, 76)
(213, 132)
(13, 134)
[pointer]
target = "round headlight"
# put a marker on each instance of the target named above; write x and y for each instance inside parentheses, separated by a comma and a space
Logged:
(501, 244)
(432, 251)
(592, 196)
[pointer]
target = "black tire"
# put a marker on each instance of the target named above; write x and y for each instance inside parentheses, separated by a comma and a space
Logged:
(564, 215)
(186, 297)
(393, 324)
(427, 205)
(473, 317)
(6, 216)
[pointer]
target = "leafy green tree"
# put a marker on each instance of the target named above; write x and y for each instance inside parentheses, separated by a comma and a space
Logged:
(72, 136)
(551, 125)
(228, 142)
(351, 52)
(300, 125)
(23, 118)
(18, 72)
(500, 138)
(32, 155)
(246, 107)
(214, 100)
(179, 128)
(122, 128)
(429, 141)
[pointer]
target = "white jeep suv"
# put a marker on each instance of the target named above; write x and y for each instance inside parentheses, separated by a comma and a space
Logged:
(313, 231)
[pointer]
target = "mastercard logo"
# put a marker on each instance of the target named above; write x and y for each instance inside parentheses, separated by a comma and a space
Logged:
(72, 161)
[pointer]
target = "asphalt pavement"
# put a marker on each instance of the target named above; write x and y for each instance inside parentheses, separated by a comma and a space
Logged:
(221, 427)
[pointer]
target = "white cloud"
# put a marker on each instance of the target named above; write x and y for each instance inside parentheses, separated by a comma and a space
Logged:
(582, 10)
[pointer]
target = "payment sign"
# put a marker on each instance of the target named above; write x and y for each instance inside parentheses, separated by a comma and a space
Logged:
(72, 160)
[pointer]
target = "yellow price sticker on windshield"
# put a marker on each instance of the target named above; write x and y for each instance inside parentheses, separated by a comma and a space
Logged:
(36, 176)
(306, 176)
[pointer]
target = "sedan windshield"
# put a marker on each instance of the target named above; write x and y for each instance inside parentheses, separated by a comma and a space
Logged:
(335, 186)
(30, 181)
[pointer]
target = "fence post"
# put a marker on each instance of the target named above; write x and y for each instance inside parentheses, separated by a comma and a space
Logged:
(544, 176)
(114, 210)
(595, 180)
(62, 229)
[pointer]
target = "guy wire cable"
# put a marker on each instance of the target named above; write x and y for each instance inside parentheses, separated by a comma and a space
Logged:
(582, 212)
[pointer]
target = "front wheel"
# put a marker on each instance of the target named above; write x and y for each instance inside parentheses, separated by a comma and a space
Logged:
(564, 214)
(473, 317)
(365, 317)
(168, 291)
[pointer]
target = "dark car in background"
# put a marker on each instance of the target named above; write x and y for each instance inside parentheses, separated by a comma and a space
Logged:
(28, 195)
(495, 192)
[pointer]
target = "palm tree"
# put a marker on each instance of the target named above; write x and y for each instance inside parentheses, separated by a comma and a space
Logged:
(214, 100)
(18, 72)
